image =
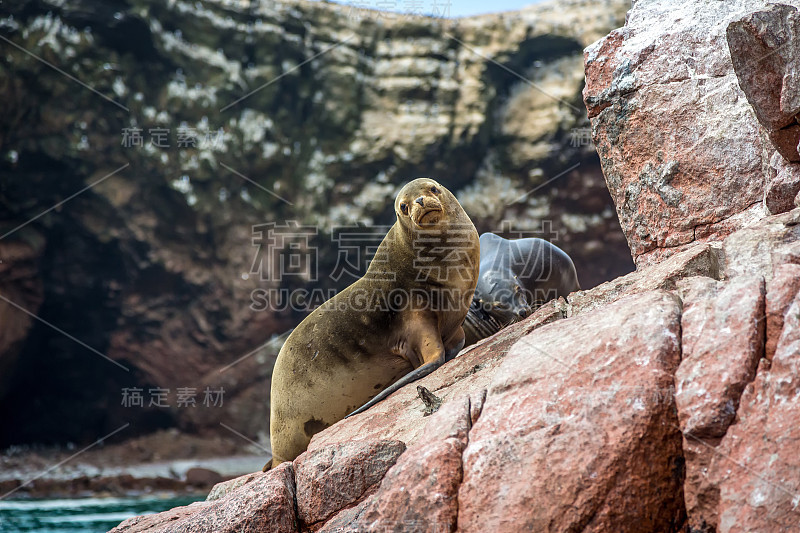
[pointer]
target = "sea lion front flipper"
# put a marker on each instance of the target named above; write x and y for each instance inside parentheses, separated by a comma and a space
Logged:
(411, 377)
(425, 342)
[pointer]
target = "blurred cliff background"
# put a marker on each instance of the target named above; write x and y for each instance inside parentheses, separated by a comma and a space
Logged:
(141, 142)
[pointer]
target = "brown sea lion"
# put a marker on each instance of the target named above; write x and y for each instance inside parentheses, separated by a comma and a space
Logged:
(516, 277)
(404, 314)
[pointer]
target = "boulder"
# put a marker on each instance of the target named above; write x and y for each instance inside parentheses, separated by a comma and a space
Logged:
(781, 290)
(764, 47)
(266, 503)
(757, 467)
(678, 141)
(579, 431)
(722, 338)
(420, 492)
(757, 250)
(722, 335)
(223, 488)
(696, 260)
(331, 478)
(783, 184)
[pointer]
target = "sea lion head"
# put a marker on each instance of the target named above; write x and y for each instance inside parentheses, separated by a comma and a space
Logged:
(424, 203)
(436, 230)
(501, 296)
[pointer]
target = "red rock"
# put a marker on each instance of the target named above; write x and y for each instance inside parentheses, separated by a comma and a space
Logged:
(701, 491)
(697, 260)
(264, 504)
(784, 184)
(722, 336)
(764, 51)
(579, 431)
(223, 488)
(756, 250)
(661, 121)
(785, 142)
(420, 492)
(781, 290)
(331, 478)
(761, 51)
(758, 467)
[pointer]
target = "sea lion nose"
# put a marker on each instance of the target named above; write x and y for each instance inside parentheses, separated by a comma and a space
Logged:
(420, 201)
(522, 313)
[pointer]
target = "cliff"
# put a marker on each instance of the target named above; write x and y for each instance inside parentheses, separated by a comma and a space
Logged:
(660, 401)
(143, 141)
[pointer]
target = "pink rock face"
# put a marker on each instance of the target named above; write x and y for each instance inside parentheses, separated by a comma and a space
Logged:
(758, 466)
(761, 51)
(723, 339)
(783, 185)
(759, 249)
(266, 503)
(223, 488)
(764, 51)
(697, 260)
(785, 142)
(722, 335)
(420, 492)
(662, 97)
(781, 290)
(579, 430)
(336, 476)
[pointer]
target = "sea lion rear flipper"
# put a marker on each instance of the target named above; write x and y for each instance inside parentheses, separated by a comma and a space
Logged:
(267, 466)
(411, 377)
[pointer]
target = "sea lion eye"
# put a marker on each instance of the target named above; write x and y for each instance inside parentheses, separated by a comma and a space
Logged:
(435, 189)
(404, 208)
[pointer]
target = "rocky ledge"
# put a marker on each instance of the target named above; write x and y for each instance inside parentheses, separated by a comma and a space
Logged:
(664, 400)
(661, 393)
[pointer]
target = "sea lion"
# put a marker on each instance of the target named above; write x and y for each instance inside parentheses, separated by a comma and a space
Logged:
(404, 314)
(516, 277)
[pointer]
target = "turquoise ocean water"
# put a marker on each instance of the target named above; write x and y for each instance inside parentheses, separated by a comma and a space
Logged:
(88, 515)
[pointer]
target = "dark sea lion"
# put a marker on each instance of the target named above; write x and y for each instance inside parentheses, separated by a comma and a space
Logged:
(404, 314)
(516, 277)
